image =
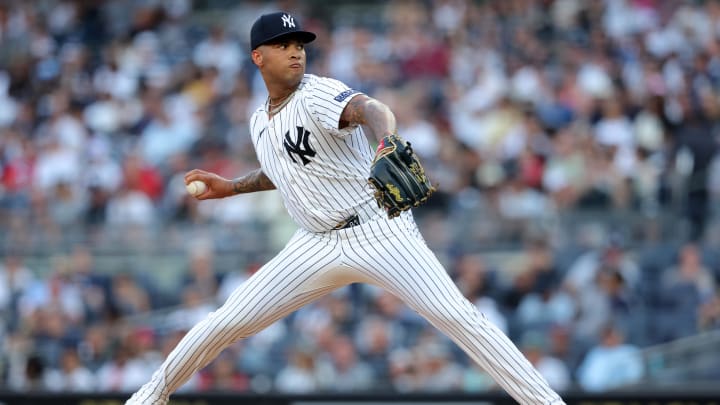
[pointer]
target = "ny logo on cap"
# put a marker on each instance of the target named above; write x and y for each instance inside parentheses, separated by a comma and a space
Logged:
(288, 21)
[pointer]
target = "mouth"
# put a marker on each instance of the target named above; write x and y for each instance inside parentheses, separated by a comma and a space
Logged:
(296, 66)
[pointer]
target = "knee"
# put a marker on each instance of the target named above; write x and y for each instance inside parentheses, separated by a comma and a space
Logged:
(460, 313)
(233, 324)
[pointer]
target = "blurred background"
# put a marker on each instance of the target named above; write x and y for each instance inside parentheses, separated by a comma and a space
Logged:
(575, 144)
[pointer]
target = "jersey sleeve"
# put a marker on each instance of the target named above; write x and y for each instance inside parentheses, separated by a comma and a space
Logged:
(253, 127)
(326, 100)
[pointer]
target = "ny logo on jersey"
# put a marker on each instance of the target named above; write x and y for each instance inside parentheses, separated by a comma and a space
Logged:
(288, 21)
(300, 147)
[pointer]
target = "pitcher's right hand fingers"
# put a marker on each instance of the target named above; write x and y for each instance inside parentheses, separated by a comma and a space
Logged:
(217, 186)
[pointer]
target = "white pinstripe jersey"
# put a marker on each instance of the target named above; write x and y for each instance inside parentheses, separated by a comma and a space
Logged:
(320, 170)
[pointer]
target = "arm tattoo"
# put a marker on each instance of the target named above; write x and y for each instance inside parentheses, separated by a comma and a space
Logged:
(364, 110)
(256, 180)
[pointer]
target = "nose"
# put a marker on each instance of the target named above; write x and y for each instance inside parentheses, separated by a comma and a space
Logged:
(295, 52)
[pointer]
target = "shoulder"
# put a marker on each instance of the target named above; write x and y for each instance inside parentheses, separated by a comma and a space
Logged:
(255, 119)
(259, 110)
(311, 80)
(326, 88)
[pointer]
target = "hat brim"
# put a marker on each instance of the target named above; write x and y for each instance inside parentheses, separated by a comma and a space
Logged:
(304, 36)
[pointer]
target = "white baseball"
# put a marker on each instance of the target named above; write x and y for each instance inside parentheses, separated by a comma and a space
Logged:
(196, 187)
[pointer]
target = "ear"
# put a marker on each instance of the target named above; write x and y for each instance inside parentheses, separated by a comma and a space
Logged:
(257, 57)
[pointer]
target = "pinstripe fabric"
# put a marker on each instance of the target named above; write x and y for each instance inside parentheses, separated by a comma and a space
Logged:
(313, 264)
(411, 272)
(333, 186)
(321, 173)
(307, 268)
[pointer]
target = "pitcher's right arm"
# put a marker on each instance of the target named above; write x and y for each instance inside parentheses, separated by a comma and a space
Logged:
(220, 187)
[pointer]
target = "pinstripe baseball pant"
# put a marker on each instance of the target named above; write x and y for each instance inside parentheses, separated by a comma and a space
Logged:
(312, 265)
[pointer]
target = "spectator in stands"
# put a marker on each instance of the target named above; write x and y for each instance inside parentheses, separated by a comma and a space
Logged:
(555, 371)
(223, 376)
(220, 52)
(610, 364)
(144, 352)
(391, 308)
(193, 308)
(17, 165)
(692, 141)
(15, 278)
(120, 374)
(685, 286)
(312, 318)
(477, 283)
(56, 163)
(300, 375)
(202, 275)
(130, 207)
(32, 376)
(614, 131)
(401, 370)
(545, 308)
(142, 177)
(343, 370)
(375, 338)
(612, 256)
(71, 376)
(565, 173)
(94, 286)
(58, 293)
(622, 302)
(709, 314)
(68, 204)
(436, 371)
(103, 171)
(167, 133)
(128, 297)
(96, 346)
(476, 379)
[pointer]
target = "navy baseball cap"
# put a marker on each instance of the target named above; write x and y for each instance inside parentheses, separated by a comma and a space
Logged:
(274, 26)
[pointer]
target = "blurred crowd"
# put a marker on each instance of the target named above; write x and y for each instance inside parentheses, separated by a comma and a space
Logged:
(522, 111)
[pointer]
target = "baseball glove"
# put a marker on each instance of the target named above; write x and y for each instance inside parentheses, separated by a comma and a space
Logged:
(398, 178)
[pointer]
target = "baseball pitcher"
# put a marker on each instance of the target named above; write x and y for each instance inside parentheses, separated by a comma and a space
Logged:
(352, 206)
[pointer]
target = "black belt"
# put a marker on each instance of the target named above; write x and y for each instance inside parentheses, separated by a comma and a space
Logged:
(348, 223)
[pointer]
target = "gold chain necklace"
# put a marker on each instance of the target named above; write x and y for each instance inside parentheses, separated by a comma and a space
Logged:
(281, 104)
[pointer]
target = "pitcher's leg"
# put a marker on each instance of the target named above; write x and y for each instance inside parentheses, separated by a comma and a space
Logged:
(297, 275)
(412, 272)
